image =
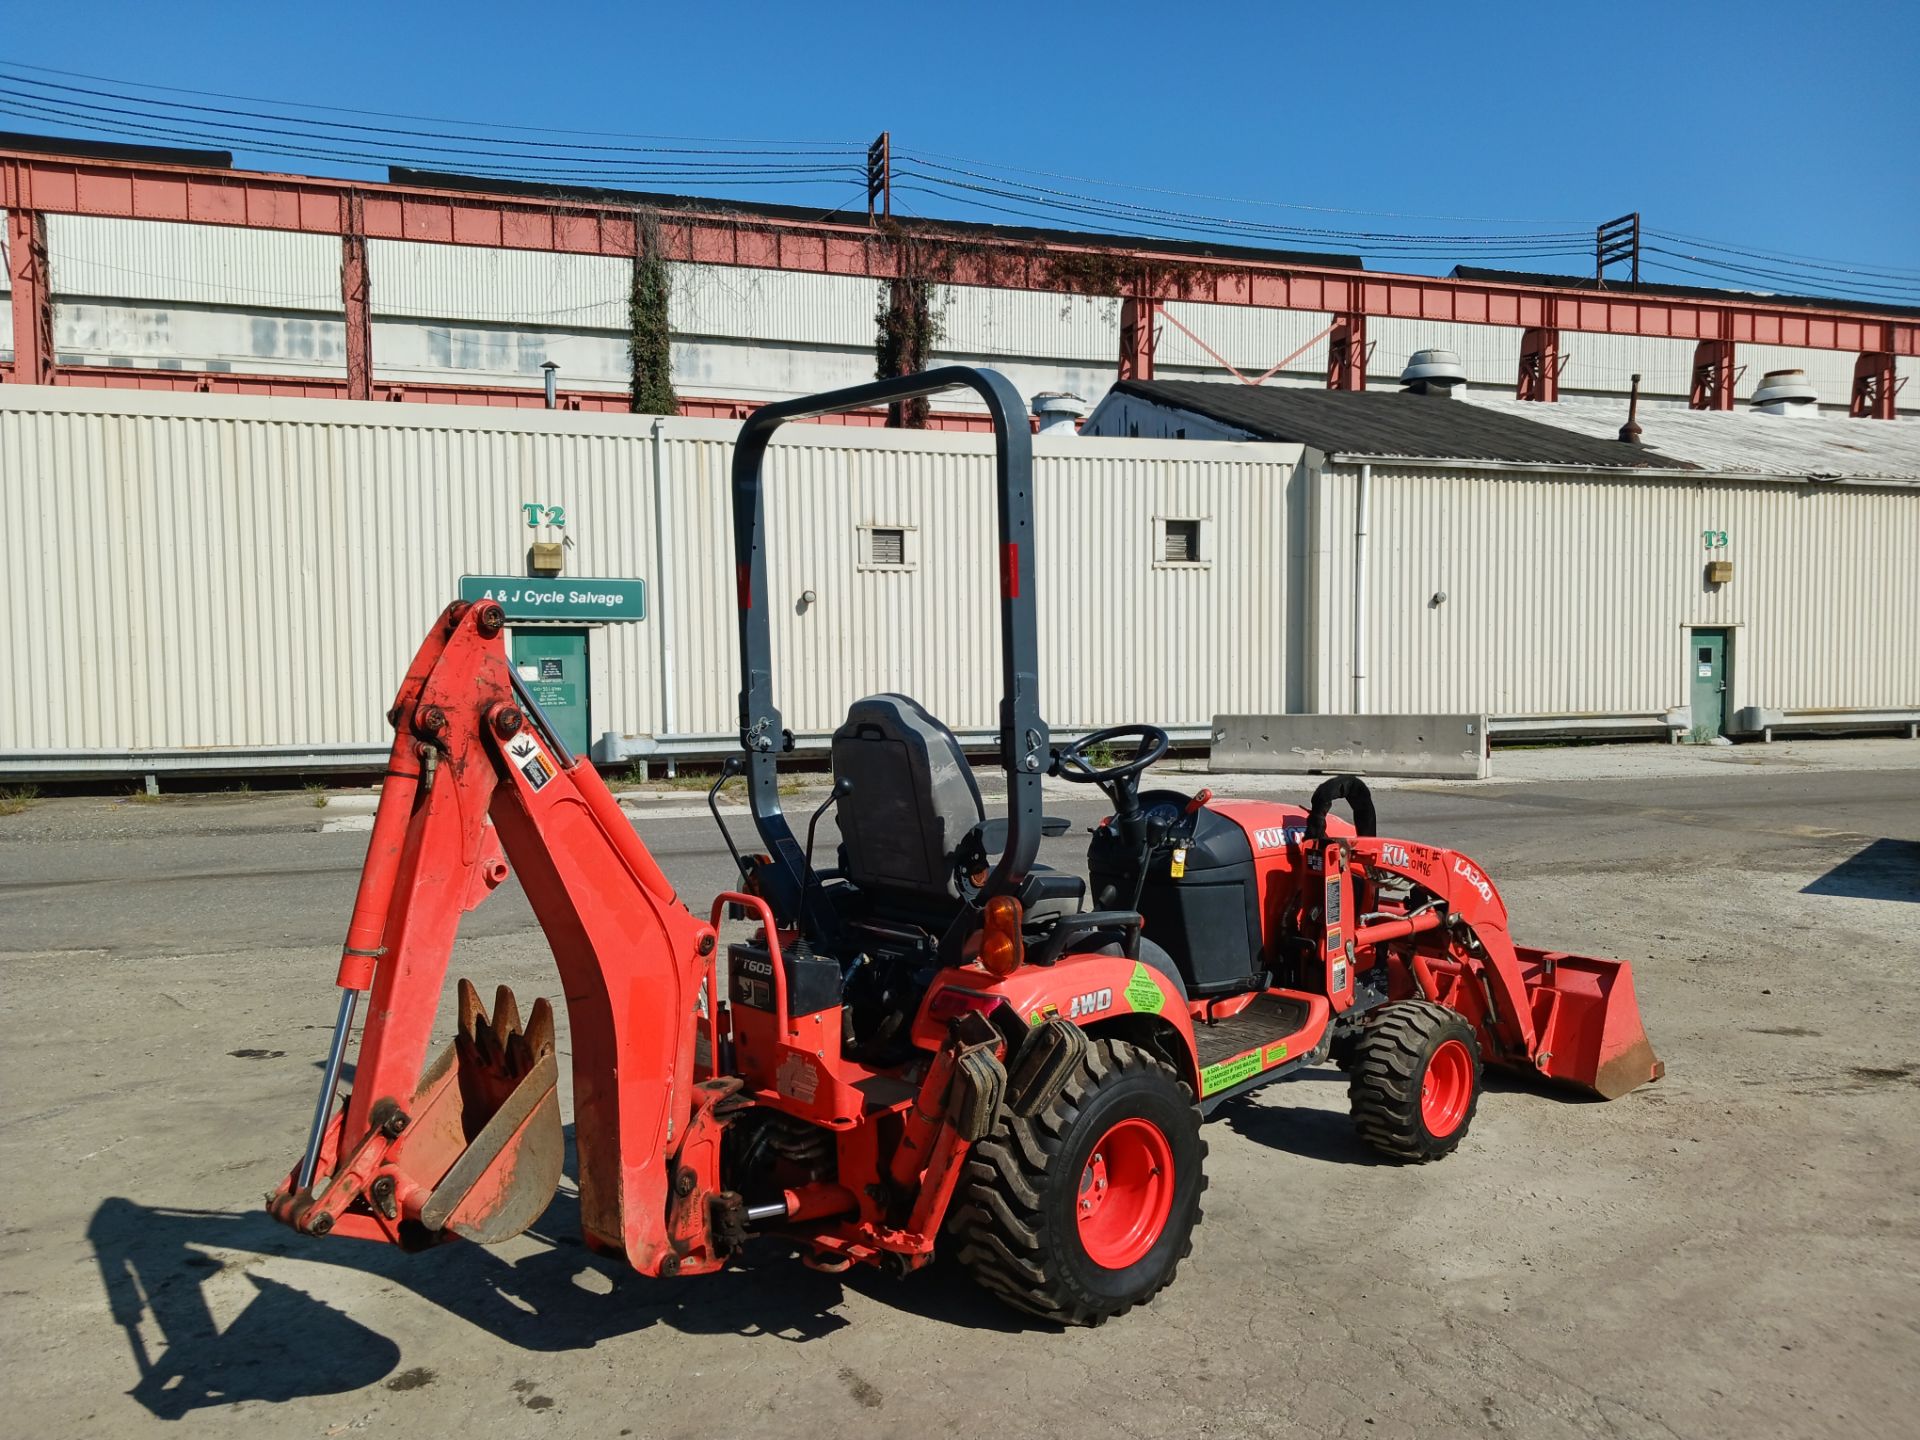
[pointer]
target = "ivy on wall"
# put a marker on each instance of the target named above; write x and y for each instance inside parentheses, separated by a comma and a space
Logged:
(649, 337)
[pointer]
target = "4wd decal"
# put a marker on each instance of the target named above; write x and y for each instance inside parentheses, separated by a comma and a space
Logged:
(1143, 993)
(1464, 868)
(1091, 1003)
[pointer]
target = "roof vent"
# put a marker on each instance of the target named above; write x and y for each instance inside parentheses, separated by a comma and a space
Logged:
(1785, 392)
(1057, 411)
(1433, 372)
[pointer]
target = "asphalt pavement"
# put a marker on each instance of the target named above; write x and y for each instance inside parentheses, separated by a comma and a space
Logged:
(1732, 1251)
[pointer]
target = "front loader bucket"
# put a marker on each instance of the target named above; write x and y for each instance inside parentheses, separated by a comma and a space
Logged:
(484, 1143)
(1587, 1021)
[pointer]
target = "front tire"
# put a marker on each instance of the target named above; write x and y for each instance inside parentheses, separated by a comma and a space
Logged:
(1087, 1209)
(1415, 1081)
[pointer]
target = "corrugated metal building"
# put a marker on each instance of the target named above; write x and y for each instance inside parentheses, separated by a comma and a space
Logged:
(219, 582)
(142, 294)
(206, 581)
(1556, 578)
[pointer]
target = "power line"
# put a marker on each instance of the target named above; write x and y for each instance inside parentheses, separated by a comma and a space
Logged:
(1212, 227)
(1897, 291)
(1042, 194)
(1795, 261)
(974, 184)
(722, 174)
(1233, 199)
(428, 119)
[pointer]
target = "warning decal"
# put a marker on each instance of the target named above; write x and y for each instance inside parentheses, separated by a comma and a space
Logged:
(1230, 1072)
(1143, 992)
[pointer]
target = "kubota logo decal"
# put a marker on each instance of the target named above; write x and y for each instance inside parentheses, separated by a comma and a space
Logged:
(1464, 869)
(1091, 1003)
(1395, 855)
(1278, 837)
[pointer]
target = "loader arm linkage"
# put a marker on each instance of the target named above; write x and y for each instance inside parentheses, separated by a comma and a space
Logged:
(472, 1145)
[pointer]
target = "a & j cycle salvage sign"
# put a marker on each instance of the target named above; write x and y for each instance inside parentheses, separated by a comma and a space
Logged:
(561, 598)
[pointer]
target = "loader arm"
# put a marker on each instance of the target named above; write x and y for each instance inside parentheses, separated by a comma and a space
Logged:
(471, 1145)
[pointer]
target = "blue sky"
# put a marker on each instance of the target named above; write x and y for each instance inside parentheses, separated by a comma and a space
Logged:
(1770, 127)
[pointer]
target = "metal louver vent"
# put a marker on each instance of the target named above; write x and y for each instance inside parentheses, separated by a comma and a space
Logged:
(886, 547)
(1183, 542)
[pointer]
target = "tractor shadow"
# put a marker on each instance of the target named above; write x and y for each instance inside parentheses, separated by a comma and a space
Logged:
(1883, 870)
(171, 1274)
(1311, 1133)
(1304, 1131)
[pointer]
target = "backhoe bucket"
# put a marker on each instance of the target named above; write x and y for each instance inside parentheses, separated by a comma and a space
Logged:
(485, 1130)
(1588, 1022)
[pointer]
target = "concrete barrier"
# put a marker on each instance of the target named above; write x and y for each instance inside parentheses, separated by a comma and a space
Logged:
(1449, 747)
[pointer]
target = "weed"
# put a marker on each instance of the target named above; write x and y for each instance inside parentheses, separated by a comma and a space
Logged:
(18, 798)
(317, 795)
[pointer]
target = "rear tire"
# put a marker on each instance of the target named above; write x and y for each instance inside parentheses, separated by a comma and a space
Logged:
(1072, 1215)
(1415, 1081)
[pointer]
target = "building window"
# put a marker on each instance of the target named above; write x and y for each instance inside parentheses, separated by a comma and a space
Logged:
(888, 547)
(1180, 541)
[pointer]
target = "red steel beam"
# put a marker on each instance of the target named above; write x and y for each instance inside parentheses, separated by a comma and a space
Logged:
(131, 190)
(33, 359)
(1714, 376)
(356, 302)
(334, 387)
(1539, 365)
(1139, 337)
(1348, 352)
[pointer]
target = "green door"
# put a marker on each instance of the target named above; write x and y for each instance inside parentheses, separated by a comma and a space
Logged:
(553, 667)
(1707, 670)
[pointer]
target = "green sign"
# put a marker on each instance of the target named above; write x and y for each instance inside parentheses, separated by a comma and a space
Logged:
(564, 597)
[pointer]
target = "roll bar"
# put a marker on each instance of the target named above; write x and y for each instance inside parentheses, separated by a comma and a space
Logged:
(1025, 748)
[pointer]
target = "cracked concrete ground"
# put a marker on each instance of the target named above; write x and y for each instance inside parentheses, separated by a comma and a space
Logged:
(1734, 1251)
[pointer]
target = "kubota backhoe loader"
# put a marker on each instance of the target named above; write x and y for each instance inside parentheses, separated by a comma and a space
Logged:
(934, 1039)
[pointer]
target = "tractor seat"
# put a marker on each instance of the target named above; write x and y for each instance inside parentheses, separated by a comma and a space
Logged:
(914, 812)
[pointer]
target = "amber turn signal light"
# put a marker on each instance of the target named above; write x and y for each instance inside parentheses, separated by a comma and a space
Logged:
(1001, 949)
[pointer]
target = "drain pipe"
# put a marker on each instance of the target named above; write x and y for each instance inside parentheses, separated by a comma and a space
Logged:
(1362, 505)
(660, 586)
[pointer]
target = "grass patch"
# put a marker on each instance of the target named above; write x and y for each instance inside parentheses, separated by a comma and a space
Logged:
(317, 795)
(141, 797)
(17, 798)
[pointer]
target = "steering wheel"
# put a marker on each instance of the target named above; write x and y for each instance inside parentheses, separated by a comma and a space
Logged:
(1120, 781)
(1074, 764)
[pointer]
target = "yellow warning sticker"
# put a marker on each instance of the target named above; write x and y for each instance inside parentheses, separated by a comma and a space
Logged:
(1179, 866)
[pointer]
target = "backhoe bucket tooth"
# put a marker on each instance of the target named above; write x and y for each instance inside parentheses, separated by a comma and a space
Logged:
(1587, 1019)
(486, 1123)
(506, 1014)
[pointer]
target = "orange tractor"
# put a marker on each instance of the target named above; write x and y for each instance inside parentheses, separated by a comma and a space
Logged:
(933, 1041)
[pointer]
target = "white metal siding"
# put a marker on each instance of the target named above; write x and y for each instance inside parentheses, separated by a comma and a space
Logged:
(208, 571)
(196, 337)
(1253, 340)
(471, 282)
(161, 261)
(1570, 595)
